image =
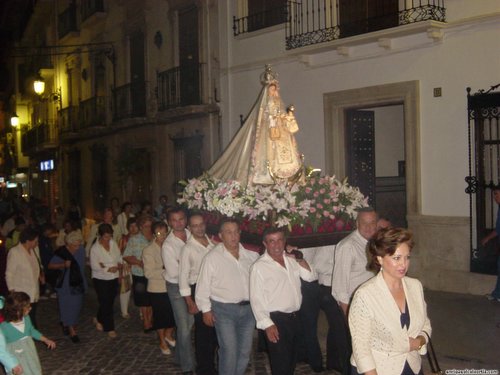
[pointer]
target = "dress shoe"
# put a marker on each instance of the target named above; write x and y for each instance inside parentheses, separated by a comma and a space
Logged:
(75, 339)
(98, 325)
(65, 330)
(170, 342)
(165, 351)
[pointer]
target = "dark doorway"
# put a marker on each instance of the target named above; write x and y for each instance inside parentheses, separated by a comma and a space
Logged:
(187, 158)
(484, 175)
(376, 158)
(363, 16)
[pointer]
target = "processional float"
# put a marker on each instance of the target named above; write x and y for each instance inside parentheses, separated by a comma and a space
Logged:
(262, 180)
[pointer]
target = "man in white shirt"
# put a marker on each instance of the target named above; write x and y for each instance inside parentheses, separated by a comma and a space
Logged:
(192, 254)
(222, 294)
(318, 297)
(350, 265)
(171, 254)
(275, 297)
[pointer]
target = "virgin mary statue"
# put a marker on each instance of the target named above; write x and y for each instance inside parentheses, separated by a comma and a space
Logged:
(264, 151)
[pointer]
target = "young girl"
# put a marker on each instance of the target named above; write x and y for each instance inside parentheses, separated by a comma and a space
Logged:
(10, 362)
(19, 331)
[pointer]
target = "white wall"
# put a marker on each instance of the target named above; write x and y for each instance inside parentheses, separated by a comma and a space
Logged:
(465, 57)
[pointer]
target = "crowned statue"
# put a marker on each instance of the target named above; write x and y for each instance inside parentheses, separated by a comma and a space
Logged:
(264, 151)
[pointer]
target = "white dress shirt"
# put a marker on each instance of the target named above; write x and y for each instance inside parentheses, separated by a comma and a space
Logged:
(171, 255)
(192, 255)
(276, 288)
(322, 263)
(224, 278)
(350, 267)
(100, 257)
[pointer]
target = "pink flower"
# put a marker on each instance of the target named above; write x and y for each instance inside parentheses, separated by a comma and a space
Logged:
(326, 201)
(326, 214)
(312, 210)
(316, 194)
(322, 191)
(319, 205)
(308, 190)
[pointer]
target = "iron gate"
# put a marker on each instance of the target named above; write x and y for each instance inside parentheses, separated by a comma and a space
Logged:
(484, 174)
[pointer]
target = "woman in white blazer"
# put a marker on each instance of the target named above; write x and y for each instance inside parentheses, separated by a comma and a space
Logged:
(388, 314)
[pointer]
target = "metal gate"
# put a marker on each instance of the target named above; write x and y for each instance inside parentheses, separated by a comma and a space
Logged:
(484, 174)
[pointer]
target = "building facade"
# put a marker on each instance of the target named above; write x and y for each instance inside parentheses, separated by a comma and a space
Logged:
(379, 89)
(141, 94)
(130, 100)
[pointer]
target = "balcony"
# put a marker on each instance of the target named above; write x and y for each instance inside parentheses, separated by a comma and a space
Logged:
(260, 20)
(312, 22)
(88, 8)
(181, 86)
(67, 21)
(92, 112)
(39, 138)
(68, 120)
(129, 100)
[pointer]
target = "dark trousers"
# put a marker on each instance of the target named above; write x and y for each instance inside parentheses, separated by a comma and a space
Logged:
(205, 344)
(310, 350)
(283, 354)
(106, 291)
(338, 341)
(32, 314)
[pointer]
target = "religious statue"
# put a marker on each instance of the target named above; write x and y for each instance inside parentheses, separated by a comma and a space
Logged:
(264, 151)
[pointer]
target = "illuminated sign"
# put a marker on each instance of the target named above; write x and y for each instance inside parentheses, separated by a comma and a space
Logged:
(47, 165)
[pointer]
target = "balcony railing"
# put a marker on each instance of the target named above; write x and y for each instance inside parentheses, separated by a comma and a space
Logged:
(181, 86)
(261, 20)
(68, 119)
(91, 7)
(129, 100)
(40, 137)
(318, 21)
(67, 21)
(92, 112)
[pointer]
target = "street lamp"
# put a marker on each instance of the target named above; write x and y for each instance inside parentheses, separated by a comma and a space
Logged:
(14, 120)
(39, 86)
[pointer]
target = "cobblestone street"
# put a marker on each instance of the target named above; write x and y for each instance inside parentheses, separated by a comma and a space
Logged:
(132, 352)
(465, 332)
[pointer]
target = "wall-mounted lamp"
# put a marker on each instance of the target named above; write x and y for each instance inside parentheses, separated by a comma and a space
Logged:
(14, 120)
(39, 86)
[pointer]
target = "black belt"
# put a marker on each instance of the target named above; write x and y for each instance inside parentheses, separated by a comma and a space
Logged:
(290, 315)
(243, 303)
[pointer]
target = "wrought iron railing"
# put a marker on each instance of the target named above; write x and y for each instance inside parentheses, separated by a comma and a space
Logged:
(181, 86)
(317, 21)
(68, 119)
(92, 112)
(129, 100)
(67, 21)
(91, 7)
(41, 136)
(261, 20)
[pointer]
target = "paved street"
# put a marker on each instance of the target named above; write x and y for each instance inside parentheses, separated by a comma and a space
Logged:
(133, 352)
(466, 332)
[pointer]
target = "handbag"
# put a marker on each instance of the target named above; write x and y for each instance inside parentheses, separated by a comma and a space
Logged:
(431, 356)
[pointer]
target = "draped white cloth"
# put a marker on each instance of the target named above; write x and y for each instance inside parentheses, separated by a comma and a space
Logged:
(265, 138)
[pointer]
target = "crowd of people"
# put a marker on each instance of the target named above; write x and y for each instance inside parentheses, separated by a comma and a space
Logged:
(183, 280)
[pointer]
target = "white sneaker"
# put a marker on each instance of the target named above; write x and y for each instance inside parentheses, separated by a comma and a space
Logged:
(492, 298)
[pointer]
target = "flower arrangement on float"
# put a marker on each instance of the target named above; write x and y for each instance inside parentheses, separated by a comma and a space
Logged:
(322, 204)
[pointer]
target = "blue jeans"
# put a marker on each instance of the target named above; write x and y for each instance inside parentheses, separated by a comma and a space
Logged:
(184, 322)
(234, 325)
(496, 291)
